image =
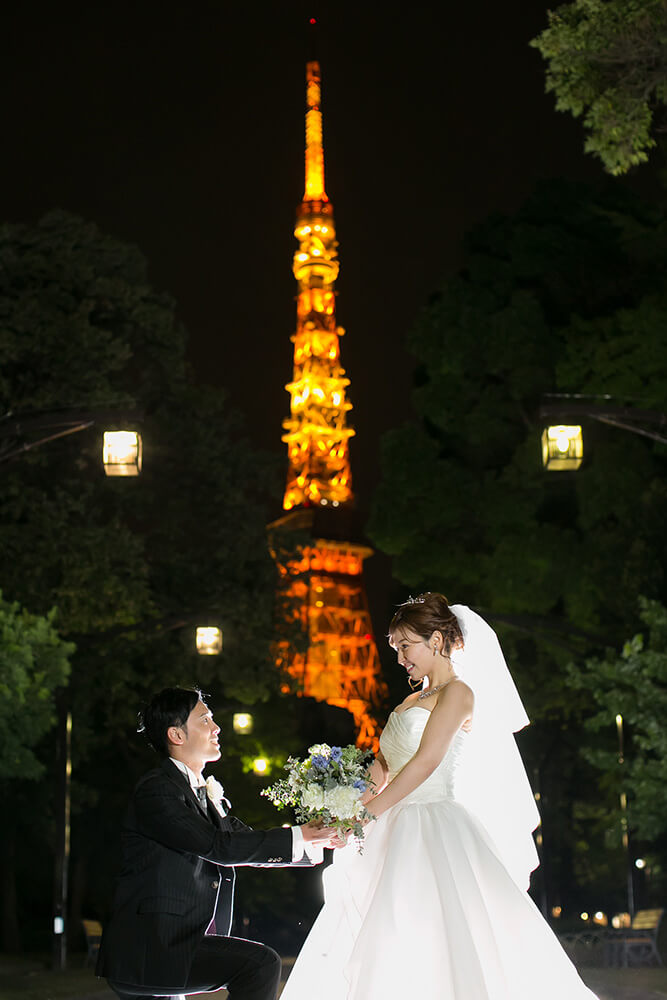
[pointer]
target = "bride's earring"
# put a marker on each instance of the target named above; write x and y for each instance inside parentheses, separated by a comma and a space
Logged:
(435, 650)
(414, 685)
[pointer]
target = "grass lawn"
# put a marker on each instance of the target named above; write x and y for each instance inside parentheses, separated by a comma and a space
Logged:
(626, 982)
(31, 978)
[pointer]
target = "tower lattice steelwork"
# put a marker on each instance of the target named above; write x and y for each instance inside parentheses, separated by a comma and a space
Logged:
(341, 665)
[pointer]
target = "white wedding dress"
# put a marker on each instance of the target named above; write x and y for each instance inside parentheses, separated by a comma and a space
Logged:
(428, 911)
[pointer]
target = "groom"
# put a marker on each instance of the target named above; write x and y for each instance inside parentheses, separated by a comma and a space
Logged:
(169, 931)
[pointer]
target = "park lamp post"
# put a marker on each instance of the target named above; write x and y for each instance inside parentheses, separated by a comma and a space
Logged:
(562, 444)
(625, 833)
(23, 432)
(63, 829)
(208, 640)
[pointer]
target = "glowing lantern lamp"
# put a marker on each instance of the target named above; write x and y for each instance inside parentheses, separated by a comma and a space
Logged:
(242, 723)
(562, 448)
(209, 640)
(260, 765)
(121, 453)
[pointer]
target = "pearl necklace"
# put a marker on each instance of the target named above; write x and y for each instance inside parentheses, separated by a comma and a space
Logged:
(438, 687)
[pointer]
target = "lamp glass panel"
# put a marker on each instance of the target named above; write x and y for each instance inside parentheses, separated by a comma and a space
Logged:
(209, 640)
(121, 453)
(562, 447)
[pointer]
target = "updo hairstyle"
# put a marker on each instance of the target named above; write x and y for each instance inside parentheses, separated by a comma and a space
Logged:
(426, 614)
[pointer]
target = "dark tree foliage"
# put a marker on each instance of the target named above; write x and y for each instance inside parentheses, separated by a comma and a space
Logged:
(632, 683)
(131, 564)
(567, 296)
(34, 663)
(607, 64)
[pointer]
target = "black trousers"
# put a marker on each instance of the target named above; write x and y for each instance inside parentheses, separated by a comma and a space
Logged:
(249, 970)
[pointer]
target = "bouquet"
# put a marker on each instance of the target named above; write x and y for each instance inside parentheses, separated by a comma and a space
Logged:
(326, 786)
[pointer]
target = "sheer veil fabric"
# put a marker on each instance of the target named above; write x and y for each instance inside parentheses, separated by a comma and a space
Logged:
(491, 779)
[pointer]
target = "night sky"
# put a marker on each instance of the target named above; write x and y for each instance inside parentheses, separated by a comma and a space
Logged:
(179, 127)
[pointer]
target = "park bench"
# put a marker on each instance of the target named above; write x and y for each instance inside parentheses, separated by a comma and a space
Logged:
(637, 944)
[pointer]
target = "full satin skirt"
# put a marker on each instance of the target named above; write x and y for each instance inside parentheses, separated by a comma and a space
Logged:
(429, 911)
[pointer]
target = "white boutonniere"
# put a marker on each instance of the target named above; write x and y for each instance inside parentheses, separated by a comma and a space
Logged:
(216, 793)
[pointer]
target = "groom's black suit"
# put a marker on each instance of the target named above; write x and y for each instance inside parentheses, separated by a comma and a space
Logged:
(176, 878)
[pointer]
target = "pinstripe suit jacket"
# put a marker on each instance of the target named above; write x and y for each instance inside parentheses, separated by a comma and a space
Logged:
(176, 875)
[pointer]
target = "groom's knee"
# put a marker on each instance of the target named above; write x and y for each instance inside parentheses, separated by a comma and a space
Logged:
(268, 967)
(271, 963)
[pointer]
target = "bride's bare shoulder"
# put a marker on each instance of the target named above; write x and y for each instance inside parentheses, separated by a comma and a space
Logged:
(459, 683)
(407, 702)
(460, 690)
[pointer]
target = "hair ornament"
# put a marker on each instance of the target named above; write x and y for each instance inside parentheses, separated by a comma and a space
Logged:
(420, 599)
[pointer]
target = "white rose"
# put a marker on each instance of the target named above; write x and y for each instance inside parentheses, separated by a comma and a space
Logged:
(312, 796)
(216, 793)
(343, 802)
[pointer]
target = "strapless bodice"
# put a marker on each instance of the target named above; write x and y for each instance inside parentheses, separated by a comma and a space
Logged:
(399, 743)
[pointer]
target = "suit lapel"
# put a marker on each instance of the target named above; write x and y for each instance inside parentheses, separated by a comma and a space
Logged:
(214, 815)
(175, 774)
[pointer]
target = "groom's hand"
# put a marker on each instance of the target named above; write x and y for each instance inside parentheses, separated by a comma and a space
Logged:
(322, 836)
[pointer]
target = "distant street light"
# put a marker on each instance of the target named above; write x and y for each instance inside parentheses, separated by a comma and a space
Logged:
(209, 640)
(121, 453)
(562, 447)
(242, 723)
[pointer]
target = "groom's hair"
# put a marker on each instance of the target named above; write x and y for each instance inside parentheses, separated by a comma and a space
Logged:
(169, 707)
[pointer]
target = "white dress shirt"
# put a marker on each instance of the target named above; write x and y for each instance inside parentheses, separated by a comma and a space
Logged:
(300, 847)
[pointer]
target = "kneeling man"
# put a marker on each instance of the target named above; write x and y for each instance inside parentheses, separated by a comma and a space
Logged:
(169, 931)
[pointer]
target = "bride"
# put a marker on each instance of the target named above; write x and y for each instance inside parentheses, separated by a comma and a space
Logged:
(436, 906)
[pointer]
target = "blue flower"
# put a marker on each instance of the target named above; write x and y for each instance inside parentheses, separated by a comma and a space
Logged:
(336, 753)
(319, 762)
(361, 785)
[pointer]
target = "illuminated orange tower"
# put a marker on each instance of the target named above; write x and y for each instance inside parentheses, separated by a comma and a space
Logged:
(317, 434)
(341, 665)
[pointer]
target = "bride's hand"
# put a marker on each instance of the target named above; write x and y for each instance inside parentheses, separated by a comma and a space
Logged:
(339, 840)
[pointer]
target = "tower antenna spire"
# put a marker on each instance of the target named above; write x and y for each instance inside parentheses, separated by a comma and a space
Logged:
(314, 190)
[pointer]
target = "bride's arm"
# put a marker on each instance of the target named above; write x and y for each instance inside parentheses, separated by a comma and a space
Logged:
(453, 709)
(377, 778)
